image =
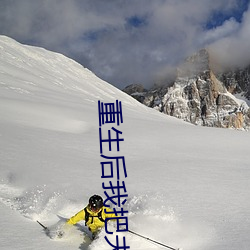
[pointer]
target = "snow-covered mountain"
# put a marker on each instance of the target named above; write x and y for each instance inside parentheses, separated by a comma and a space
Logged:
(188, 186)
(201, 95)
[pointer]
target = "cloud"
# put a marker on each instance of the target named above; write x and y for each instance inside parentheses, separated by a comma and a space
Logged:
(228, 28)
(124, 42)
(233, 49)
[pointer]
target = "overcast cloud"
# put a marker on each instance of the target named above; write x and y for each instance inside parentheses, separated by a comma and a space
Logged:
(131, 41)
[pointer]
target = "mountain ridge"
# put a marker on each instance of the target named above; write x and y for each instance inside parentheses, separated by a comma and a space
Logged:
(201, 95)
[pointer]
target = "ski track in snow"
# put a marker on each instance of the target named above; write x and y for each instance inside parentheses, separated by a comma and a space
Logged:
(147, 216)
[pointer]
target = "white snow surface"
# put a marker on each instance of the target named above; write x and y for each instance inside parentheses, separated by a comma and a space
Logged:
(188, 186)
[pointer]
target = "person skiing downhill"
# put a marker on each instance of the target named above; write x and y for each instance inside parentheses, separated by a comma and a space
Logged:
(94, 215)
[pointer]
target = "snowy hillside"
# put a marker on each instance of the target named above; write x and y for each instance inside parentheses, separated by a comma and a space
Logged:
(188, 186)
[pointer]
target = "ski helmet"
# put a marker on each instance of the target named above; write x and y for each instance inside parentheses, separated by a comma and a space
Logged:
(95, 202)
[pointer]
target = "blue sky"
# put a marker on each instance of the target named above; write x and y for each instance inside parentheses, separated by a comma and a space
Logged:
(131, 41)
(218, 17)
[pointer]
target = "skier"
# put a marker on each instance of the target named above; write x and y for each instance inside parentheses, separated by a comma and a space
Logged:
(94, 215)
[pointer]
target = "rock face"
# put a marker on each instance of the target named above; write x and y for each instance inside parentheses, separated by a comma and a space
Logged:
(201, 97)
(137, 91)
(237, 81)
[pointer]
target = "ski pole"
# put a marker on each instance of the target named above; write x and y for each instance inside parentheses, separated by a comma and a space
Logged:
(45, 228)
(159, 243)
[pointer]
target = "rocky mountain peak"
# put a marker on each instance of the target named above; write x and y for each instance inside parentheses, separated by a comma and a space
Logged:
(197, 64)
(200, 96)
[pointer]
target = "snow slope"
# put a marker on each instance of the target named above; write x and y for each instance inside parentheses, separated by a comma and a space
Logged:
(188, 186)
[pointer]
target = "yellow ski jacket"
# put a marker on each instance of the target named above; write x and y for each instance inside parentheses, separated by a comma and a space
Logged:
(93, 222)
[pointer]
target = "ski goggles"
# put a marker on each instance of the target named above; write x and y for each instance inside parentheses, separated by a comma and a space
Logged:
(94, 208)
